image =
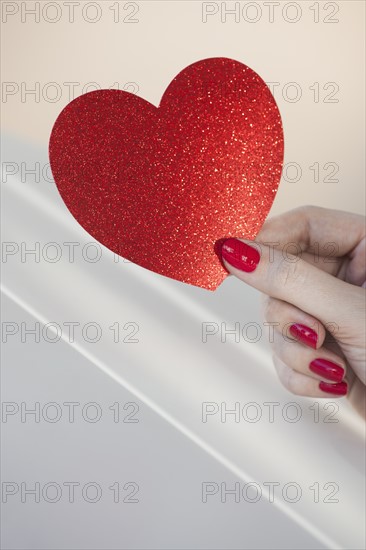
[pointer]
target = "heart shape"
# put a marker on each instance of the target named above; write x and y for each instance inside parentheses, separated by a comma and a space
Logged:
(164, 186)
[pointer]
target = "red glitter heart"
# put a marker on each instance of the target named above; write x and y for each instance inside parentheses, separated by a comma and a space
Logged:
(161, 186)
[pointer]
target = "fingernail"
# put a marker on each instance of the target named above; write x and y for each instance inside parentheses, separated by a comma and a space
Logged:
(335, 389)
(240, 255)
(327, 369)
(304, 334)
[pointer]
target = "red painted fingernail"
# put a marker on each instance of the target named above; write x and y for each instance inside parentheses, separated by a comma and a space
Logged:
(327, 369)
(335, 389)
(304, 334)
(240, 255)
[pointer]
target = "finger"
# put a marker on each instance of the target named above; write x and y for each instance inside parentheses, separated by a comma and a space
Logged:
(320, 364)
(292, 323)
(317, 230)
(300, 384)
(356, 271)
(314, 228)
(357, 395)
(292, 280)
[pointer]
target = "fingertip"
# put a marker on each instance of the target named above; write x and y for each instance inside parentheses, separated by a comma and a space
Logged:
(240, 255)
(304, 334)
(339, 389)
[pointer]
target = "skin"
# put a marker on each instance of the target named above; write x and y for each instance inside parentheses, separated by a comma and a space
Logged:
(317, 284)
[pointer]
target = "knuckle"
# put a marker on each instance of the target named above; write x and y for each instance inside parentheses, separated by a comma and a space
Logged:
(292, 384)
(267, 306)
(286, 375)
(290, 271)
(307, 210)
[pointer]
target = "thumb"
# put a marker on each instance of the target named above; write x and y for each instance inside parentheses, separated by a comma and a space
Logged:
(289, 278)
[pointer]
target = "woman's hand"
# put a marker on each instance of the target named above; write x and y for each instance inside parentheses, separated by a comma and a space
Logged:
(311, 264)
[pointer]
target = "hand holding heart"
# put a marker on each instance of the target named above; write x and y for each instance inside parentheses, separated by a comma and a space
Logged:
(165, 187)
(161, 186)
(314, 300)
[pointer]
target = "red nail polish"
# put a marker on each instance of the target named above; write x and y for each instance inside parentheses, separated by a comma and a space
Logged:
(327, 369)
(304, 334)
(240, 255)
(335, 389)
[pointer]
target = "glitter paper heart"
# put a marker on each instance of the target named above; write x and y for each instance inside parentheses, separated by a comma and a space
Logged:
(161, 186)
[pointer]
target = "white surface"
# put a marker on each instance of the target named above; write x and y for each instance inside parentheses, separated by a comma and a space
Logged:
(170, 373)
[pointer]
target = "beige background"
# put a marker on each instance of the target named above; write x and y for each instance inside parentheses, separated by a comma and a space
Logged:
(171, 371)
(170, 35)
